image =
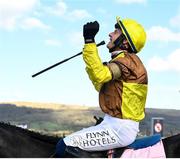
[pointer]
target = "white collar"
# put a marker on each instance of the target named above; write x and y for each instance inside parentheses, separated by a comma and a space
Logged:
(114, 53)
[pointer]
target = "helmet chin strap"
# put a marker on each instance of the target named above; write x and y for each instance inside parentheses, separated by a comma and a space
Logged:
(118, 43)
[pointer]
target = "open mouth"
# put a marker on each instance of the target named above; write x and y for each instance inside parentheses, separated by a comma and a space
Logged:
(110, 39)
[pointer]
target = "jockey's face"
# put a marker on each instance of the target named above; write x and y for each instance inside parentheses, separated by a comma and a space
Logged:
(113, 36)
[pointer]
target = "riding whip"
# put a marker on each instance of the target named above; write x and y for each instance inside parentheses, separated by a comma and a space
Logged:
(59, 63)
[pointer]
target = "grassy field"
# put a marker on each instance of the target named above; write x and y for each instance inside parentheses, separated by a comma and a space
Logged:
(48, 117)
(63, 119)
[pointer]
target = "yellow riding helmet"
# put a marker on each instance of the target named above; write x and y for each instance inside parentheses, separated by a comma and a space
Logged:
(134, 32)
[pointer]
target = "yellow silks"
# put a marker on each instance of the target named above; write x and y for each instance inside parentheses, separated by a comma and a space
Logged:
(133, 101)
(98, 73)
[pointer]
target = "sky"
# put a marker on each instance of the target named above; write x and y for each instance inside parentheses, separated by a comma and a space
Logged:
(35, 34)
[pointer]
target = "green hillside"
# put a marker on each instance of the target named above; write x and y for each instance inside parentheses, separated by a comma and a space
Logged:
(63, 119)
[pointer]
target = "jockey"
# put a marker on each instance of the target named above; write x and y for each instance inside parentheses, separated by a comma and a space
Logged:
(122, 86)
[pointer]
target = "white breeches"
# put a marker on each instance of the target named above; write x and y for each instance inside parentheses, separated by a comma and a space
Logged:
(109, 134)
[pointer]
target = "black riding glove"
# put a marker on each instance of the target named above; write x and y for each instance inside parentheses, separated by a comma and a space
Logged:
(89, 31)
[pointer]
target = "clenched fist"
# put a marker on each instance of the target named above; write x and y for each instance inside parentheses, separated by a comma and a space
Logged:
(89, 31)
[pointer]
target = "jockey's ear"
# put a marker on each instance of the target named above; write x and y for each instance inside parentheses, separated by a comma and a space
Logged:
(126, 44)
(98, 120)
